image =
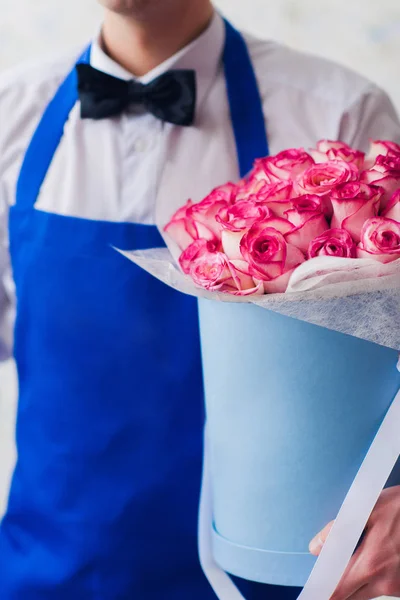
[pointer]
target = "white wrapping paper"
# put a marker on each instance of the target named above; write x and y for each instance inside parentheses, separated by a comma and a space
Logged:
(359, 297)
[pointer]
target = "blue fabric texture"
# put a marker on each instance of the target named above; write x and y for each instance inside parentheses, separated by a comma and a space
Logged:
(104, 498)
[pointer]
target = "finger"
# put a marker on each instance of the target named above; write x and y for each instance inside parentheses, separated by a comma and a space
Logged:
(349, 587)
(363, 593)
(353, 580)
(318, 542)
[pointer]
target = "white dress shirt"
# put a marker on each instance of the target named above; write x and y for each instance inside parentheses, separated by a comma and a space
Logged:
(121, 169)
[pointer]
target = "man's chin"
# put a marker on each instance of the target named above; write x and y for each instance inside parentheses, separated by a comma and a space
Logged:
(136, 8)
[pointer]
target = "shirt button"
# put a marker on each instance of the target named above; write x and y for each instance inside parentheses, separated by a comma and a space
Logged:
(140, 145)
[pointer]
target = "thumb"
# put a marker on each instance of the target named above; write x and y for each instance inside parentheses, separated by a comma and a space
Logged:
(318, 542)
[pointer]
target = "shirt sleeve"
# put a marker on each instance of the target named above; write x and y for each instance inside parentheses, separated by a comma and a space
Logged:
(371, 117)
(6, 284)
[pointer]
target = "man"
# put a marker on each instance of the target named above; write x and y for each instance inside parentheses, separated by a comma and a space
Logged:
(104, 498)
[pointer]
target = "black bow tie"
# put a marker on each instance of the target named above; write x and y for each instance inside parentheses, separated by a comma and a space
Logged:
(171, 97)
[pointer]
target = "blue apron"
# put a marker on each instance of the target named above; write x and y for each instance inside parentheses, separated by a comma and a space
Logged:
(104, 498)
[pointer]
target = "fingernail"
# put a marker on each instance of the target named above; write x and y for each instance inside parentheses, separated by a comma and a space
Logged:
(316, 545)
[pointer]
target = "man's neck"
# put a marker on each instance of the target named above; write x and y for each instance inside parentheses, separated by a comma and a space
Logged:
(140, 46)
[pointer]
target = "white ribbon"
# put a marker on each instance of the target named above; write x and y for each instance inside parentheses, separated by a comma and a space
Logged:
(346, 531)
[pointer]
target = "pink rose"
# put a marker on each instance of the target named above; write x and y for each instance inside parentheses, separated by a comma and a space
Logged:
(303, 207)
(327, 150)
(210, 270)
(353, 203)
(380, 148)
(241, 215)
(334, 242)
(226, 192)
(392, 210)
(284, 166)
(182, 229)
(324, 177)
(235, 220)
(196, 250)
(274, 195)
(309, 220)
(204, 213)
(269, 256)
(386, 174)
(214, 272)
(380, 240)
(197, 221)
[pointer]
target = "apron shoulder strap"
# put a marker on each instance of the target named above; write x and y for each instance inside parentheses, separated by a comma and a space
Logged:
(46, 139)
(245, 101)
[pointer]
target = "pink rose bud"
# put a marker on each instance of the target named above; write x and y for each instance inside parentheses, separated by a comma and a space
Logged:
(334, 242)
(392, 210)
(283, 167)
(309, 220)
(386, 174)
(268, 254)
(380, 240)
(353, 203)
(327, 150)
(323, 178)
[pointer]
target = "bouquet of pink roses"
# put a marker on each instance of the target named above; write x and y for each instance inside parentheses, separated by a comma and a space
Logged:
(297, 272)
(334, 201)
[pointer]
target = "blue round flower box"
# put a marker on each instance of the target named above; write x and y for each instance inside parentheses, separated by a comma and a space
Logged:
(292, 409)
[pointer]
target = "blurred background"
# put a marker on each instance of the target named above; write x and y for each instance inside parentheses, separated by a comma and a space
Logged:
(361, 34)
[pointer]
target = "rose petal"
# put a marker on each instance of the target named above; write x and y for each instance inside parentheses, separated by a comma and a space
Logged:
(294, 257)
(388, 183)
(181, 231)
(231, 243)
(281, 225)
(240, 273)
(279, 284)
(382, 258)
(392, 210)
(181, 213)
(354, 223)
(304, 234)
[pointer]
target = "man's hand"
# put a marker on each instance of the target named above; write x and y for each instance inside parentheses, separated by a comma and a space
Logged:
(374, 570)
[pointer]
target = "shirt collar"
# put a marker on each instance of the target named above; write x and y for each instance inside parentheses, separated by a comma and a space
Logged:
(203, 55)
